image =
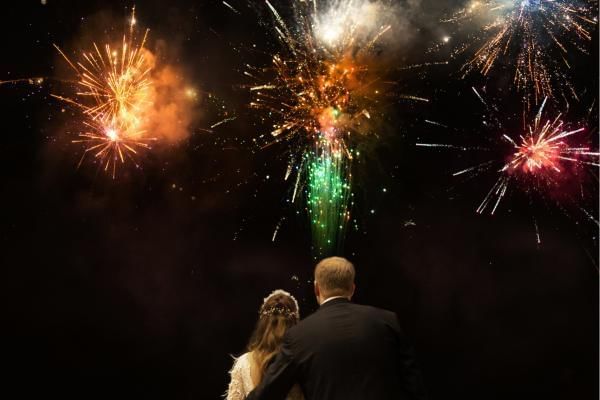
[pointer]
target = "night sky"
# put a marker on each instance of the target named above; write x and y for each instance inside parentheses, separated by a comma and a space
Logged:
(145, 285)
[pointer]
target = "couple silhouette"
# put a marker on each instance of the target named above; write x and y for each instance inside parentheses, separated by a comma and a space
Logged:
(343, 351)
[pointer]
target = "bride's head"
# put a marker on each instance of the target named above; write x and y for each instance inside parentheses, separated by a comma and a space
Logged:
(278, 313)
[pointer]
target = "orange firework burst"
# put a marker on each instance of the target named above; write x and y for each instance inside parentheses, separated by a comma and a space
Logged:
(323, 87)
(115, 95)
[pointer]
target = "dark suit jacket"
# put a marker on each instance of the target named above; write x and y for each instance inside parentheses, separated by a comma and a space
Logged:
(344, 351)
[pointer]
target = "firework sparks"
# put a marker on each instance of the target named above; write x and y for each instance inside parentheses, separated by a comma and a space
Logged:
(328, 195)
(536, 34)
(322, 94)
(543, 149)
(538, 154)
(31, 81)
(115, 94)
(539, 160)
(226, 4)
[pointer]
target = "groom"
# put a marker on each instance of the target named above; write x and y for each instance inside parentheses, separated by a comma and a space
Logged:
(343, 351)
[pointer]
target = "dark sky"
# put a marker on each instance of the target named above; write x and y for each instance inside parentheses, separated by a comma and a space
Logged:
(143, 286)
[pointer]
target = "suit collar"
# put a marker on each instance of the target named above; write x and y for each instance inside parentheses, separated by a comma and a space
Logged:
(332, 302)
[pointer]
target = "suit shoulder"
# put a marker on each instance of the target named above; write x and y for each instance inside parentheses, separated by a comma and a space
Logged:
(305, 323)
(376, 311)
(312, 322)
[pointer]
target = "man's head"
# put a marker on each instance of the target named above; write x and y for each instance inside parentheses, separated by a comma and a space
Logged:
(334, 276)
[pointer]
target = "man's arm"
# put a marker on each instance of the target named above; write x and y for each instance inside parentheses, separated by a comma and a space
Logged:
(279, 377)
(411, 378)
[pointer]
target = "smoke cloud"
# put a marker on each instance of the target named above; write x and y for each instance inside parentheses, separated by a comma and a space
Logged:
(172, 104)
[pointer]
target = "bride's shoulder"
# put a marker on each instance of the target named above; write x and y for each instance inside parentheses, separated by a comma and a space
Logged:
(242, 361)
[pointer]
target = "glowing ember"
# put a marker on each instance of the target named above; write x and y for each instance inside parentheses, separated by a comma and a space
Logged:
(112, 134)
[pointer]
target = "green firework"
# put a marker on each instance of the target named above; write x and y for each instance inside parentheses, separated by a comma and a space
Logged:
(328, 194)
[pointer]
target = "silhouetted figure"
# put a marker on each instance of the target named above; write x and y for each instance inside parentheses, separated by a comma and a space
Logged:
(343, 351)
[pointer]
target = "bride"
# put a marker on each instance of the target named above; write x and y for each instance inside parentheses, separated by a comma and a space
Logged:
(278, 313)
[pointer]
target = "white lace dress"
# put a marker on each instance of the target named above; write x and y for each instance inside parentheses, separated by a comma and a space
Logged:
(241, 382)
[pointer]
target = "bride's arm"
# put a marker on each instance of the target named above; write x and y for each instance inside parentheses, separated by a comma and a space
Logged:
(235, 391)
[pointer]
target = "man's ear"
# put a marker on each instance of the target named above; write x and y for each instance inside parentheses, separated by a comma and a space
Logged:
(317, 289)
(353, 290)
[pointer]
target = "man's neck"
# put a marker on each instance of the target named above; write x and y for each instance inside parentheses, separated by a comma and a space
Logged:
(331, 298)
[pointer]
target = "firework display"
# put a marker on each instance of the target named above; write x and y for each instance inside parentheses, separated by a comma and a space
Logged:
(538, 154)
(115, 96)
(535, 37)
(166, 163)
(324, 87)
(322, 93)
(538, 161)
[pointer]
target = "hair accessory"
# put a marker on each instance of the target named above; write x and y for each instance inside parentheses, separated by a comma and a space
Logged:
(278, 309)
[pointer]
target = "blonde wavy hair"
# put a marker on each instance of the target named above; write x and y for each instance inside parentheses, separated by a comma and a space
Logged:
(278, 313)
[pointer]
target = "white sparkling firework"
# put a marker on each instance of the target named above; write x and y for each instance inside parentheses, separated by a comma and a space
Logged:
(536, 37)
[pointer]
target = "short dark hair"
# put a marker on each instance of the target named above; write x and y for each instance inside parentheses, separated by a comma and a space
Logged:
(335, 276)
